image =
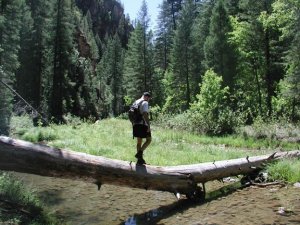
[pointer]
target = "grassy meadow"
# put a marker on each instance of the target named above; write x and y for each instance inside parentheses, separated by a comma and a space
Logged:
(112, 138)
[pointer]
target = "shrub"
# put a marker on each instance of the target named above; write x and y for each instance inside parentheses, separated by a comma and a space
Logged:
(211, 114)
(38, 134)
(19, 125)
(273, 129)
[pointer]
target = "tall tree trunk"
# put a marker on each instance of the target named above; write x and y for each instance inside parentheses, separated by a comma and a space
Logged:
(188, 91)
(57, 101)
(258, 86)
(173, 15)
(268, 76)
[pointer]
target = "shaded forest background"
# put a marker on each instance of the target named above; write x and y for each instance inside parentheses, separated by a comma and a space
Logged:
(211, 64)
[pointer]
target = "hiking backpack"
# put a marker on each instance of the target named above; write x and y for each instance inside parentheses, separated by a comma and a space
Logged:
(134, 114)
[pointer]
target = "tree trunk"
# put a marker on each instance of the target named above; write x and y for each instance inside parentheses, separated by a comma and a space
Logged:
(26, 157)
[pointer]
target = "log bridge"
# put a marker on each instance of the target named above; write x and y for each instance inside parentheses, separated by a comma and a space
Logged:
(26, 157)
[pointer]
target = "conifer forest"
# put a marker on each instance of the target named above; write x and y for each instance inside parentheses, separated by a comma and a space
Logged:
(217, 63)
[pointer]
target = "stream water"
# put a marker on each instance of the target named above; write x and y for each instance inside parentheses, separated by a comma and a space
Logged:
(79, 203)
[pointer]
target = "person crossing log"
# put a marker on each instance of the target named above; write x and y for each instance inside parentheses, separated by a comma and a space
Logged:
(26, 157)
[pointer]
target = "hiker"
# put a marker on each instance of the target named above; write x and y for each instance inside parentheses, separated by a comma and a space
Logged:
(141, 129)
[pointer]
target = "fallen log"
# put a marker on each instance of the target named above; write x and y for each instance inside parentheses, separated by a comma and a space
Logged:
(26, 157)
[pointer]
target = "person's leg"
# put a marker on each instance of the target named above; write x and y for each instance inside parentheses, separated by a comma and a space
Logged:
(139, 152)
(140, 146)
(146, 144)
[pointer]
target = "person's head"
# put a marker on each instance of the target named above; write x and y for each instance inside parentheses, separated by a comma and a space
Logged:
(146, 96)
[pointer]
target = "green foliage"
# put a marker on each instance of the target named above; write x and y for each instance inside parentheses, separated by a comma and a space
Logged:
(286, 170)
(34, 77)
(285, 105)
(209, 113)
(250, 91)
(138, 67)
(10, 25)
(110, 74)
(63, 48)
(136, 80)
(68, 60)
(173, 104)
(14, 191)
(181, 122)
(20, 124)
(200, 32)
(288, 24)
(164, 37)
(38, 135)
(182, 81)
(281, 131)
(219, 52)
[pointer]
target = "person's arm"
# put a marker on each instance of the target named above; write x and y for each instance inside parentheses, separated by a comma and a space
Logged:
(146, 117)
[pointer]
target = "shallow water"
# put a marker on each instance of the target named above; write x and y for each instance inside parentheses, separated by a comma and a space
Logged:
(79, 203)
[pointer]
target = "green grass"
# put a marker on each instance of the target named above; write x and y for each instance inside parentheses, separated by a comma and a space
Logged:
(16, 199)
(112, 138)
(286, 170)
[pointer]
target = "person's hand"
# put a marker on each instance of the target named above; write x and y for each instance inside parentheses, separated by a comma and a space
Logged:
(148, 130)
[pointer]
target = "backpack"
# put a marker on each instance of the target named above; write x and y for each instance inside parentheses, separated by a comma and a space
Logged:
(134, 114)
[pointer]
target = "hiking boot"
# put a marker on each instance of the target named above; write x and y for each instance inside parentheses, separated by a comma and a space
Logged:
(139, 155)
(141, 161)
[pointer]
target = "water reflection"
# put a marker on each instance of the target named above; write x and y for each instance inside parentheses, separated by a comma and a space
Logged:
(154, 216)
(80, 203)
(148, 217)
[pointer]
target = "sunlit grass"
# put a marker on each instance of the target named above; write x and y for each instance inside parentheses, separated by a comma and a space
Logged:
(287, 170)
(112, 138)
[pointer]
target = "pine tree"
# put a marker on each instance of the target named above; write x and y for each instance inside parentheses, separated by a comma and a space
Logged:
(164, 37)
(175, 6)
(38, 47)
(260, 55)
(138, 63)
(219, 53)
(63, 47)
(143, 19)
(200, 32)
(134, 65)
(110, 72)
(124, 30)
(248, 35)
(10, 25)
(287, 16)
(182, 81)
(24, 78)
(88, 31)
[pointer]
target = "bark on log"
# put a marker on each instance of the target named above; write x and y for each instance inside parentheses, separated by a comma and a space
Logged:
(26, 157)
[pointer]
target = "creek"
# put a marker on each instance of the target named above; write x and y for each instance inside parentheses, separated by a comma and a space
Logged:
(79, 203)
